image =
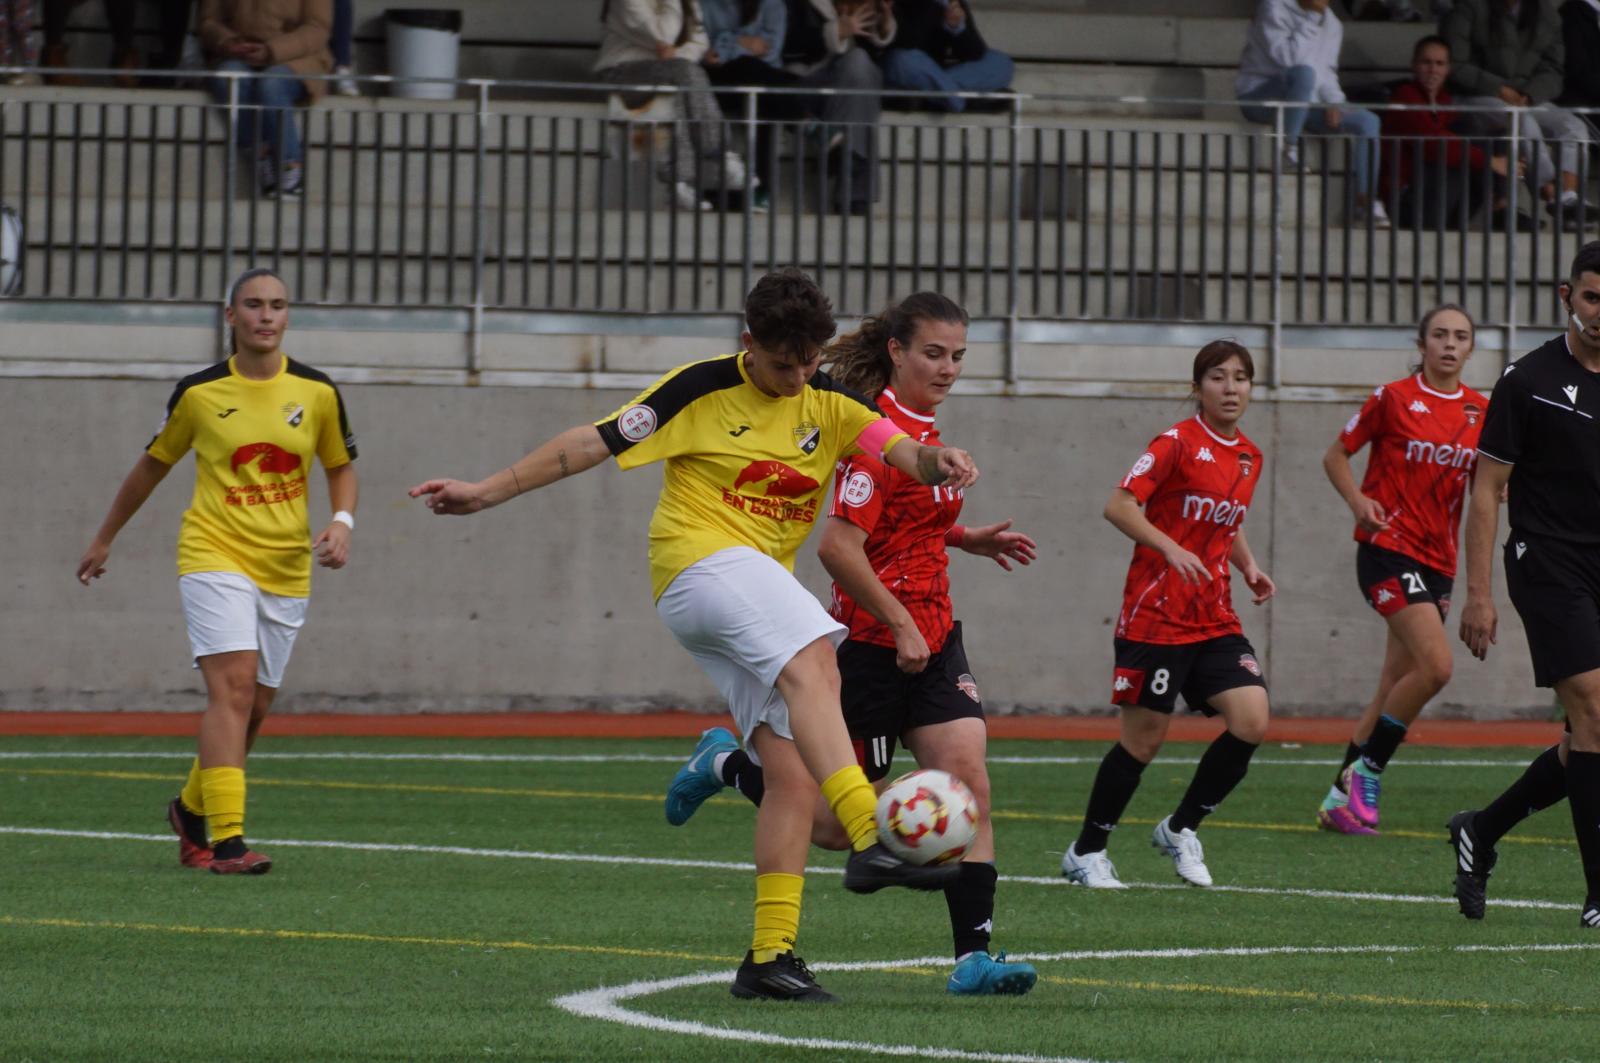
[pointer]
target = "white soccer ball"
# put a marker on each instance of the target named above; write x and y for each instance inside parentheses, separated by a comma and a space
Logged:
(927, 817)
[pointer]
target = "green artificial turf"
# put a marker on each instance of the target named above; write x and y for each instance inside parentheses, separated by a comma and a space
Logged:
(110, 950)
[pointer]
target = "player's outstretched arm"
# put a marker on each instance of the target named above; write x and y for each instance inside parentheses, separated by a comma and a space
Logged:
(136, 487)
(1478, 618)
(999, 542)
(577, 449)
(1368, 511)
(934, 466)
(1260, 584)
(1127, 516)
(843, 552)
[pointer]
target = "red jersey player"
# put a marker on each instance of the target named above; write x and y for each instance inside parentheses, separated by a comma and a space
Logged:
(1183, 503)
(903, 670)
(1424, 436)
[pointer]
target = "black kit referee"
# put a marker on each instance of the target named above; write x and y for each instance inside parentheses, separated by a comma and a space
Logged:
(1542, 437)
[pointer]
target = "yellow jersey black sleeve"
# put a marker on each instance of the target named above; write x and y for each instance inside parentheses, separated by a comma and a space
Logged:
(742, 468)
(254, 442)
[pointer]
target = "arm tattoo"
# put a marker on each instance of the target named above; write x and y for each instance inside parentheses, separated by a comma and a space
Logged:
(512, 469)
(561, 456)
(928, 465)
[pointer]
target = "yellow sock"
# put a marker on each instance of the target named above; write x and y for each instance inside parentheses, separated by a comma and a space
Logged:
(853, 800)
(777, 915)
(192, 796)
(223, 790)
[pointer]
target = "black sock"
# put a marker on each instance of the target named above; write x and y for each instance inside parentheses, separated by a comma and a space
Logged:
(745, 775)
(1351, 752)
(1114, 785)
(1583, 794)
(1221, 768)
(229, 848)
(970, 899)
(1386, 737)
(194, 824)
(1540, 786)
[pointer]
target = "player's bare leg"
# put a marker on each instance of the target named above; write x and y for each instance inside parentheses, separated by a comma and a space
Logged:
(783, 820)
(1580, 696)
(224, 732)
(959, 747)
(1222, 767)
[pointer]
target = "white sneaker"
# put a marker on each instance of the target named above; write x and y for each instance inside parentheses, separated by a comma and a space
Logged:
(344, 82)
(1184, 847)
(1379, 214)
(688, 198)
(1291, 157)
(1093, 870)
(733, 171)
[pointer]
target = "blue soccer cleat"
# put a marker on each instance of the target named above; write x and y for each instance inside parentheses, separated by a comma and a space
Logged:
(983, 975)
(698, 778)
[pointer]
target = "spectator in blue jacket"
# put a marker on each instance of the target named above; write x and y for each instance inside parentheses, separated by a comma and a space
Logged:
(746, 48)
(938, 49)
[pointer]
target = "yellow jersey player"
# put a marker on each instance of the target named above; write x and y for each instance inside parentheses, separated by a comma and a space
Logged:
(748, 441)
(255, 422)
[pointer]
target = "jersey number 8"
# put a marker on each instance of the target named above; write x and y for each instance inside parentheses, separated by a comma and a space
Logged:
(1158, 682)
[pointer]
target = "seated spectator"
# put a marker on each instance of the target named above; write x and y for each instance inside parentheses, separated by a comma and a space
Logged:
(344, 31)
(1291, 54)
(939, 49)
(661, 42)
(1509, 53)
(828, 46)
(1438, 175)
(16, 38)
(280, 39)
(747, 49)
(119, 16)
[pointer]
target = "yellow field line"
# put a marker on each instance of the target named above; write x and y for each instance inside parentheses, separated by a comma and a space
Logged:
(1256, 993)
(506, 791)
(371, 939)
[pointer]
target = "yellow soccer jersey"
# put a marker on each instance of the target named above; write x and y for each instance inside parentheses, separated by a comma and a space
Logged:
(253, 442)
(743, 468)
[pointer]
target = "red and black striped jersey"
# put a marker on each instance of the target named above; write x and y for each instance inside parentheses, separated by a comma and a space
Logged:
(1196, 486)
(905, 522)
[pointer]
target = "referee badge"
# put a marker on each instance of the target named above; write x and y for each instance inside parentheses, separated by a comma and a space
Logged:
(807, 436)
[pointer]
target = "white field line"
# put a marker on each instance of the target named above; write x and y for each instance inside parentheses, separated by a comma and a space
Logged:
(656, 758)
(730, 865)
(605, 1003)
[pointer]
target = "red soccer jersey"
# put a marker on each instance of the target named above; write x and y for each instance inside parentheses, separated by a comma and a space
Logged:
(905, 522)
(1195, 486)
(1424, 444)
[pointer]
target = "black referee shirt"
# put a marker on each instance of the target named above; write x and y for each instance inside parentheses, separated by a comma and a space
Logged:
(1544, 420)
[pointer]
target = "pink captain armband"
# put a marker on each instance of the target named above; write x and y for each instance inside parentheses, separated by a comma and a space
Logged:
(956, 536)
(874, 439)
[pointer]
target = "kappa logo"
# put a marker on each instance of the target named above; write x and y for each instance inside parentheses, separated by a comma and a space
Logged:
(1126, 686)
(1384, 597)
(1355, 419)
(1122, 683)
(1522, 548)
(1171, 433)
(1417, 407)
(294, 413)
(1571, 391)
(1204, 454)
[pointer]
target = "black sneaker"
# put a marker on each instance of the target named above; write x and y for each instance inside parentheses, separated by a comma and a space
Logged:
(1590, 919)
(785, 977)
(1474, 861)
(871, 869)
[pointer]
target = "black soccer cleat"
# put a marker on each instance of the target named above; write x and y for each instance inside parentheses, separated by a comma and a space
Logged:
(870, 870)
(784, 977)
(1590, 919)
(1474, 862)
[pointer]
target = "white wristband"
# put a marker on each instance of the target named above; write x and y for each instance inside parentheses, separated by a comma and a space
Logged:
(343, 517)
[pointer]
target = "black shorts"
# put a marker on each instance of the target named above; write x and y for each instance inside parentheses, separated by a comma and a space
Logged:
(1390, 581)
(1151, 675)
(1555, 586)
(881, 702)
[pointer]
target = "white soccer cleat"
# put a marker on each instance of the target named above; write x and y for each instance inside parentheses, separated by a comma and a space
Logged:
(1093, 869)
(1188, 857)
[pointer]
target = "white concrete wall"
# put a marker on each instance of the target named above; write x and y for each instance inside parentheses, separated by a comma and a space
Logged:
(545, 604)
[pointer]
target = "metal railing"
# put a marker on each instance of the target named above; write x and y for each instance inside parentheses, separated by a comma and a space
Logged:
(491, 203)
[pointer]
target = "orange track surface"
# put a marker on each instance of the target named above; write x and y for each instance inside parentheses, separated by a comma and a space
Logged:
(685, 725)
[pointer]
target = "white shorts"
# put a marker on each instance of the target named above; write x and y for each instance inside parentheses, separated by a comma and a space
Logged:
(226, 612)
(743, 617)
